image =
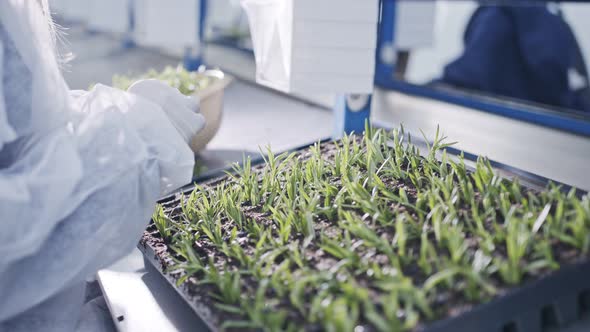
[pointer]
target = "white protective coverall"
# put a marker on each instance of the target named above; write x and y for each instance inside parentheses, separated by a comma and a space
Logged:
(80, 172)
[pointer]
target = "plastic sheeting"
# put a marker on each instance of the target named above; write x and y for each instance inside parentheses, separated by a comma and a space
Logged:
(79, 172)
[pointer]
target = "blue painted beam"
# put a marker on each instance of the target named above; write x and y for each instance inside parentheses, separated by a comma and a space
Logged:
(351, 113)
(128, 40)
(193, 57)
(578, 125)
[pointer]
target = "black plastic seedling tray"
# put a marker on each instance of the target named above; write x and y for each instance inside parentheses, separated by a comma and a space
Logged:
(553, 301)
(195, 301)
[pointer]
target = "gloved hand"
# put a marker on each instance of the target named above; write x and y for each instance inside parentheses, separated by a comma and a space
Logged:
(181, 110)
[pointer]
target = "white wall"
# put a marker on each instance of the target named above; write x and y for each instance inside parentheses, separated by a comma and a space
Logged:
(109, 15)
(227, 15)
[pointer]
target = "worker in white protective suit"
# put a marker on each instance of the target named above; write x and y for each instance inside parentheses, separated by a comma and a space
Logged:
(80, 172)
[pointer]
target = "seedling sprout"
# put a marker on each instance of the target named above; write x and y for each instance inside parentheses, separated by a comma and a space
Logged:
(366, 232)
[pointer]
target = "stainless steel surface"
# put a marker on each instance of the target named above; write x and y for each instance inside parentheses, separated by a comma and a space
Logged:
(142, 301)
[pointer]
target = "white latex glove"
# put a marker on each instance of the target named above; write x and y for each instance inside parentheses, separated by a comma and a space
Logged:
(181, 110)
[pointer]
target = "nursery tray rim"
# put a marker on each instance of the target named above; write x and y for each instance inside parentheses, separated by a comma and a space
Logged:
(150, 255)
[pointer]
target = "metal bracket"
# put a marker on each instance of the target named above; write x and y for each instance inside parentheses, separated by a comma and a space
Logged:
(351, 113)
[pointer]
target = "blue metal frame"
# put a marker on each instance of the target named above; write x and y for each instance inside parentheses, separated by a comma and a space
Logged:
(553, 120)
(192, 61)
(350, 119)
(128, 41)
(384, 79)
(385, 39)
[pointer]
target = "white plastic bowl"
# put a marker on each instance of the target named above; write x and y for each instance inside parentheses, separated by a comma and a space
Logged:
(211, 105)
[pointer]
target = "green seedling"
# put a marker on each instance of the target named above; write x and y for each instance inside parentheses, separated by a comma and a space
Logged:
(187, 82)
(368, 231)
(162, 223)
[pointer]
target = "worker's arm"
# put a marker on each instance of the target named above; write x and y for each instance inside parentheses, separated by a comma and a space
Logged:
(546, 43)
(75, 197)
(487, 47)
